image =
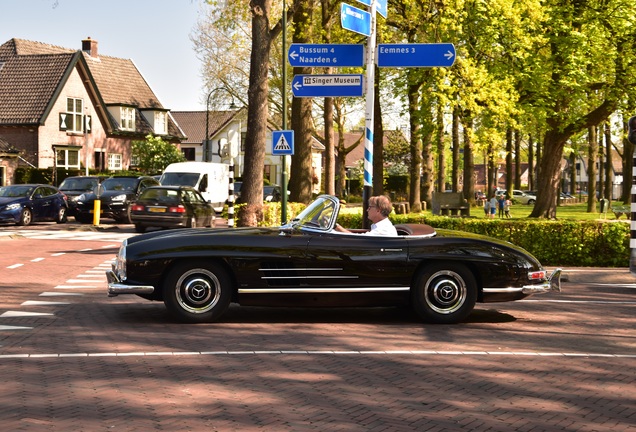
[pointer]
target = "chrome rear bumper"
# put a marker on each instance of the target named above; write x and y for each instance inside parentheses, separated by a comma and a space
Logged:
(552, 284)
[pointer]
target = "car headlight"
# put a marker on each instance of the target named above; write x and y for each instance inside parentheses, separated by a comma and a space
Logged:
(121, 198)
(13, 206)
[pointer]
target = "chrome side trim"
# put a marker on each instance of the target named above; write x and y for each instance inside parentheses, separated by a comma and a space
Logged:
(308, 277)
(318, 290)
(552, 284)
(301, 269)
(115, 287)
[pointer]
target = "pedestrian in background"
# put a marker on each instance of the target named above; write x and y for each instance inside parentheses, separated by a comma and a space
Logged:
(501, 201)
(493, 206)
(486, 208)
(507, 205)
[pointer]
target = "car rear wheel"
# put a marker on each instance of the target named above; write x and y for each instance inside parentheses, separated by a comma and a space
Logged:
(530, 202)
(125, 218)
(444, 293)
(26, 217)
(61, 216)
(197, 292)
(192, 222)
(140, 228)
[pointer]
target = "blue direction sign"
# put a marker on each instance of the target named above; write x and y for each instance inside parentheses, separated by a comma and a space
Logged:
(354, 19)
(380, 6)
(416, 55)
(324, 55)
(327, 85)
(283, 143)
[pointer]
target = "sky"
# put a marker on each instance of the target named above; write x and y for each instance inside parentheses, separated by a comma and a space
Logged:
(155, 34)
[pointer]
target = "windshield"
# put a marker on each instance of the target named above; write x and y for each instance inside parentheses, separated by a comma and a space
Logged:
(179, 179)
(15, 191)
(120, 184)
(321, 214)
(79, 184)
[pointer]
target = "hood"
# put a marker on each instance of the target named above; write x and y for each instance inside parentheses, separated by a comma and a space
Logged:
(9, 200)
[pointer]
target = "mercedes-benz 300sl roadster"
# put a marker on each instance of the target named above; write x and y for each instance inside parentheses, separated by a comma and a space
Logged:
(441, 274)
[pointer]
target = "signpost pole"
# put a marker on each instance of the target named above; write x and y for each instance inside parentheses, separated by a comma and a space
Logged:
(368, 122)
(283, 201)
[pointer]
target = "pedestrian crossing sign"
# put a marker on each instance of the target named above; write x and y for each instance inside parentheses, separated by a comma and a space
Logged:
(283, 143)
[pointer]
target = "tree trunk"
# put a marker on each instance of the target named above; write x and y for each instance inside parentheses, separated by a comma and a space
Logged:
(469, 161)
(302, 172)
(550, 170)
(530, 163)
(509, 170)
(257, 114)
(591, 169)
(415, 146)
(517, 159)
(441, 153)
(609, 167)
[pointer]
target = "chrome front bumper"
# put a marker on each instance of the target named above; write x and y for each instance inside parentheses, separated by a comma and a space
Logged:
(115, 287)
(552, 284)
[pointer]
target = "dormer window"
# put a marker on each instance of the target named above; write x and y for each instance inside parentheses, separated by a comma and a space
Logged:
(127, 120)
(161, 123)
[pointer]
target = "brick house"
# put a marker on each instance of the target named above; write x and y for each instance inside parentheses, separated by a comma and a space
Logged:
(76, 109)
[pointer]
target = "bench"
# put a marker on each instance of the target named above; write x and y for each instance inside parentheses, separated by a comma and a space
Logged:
(621, 210)
(450, 204)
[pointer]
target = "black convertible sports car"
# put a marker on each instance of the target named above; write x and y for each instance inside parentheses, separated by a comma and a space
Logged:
(198, 272)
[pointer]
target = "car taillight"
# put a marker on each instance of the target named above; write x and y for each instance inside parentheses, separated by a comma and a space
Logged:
(537, 275)
(177, 209)
(137, 207)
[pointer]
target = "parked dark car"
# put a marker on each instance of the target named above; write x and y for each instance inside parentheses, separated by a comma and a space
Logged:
(440, 273)
(116, 194)
(171, 207)
(26, 203)
(73, 187)
(271, 193)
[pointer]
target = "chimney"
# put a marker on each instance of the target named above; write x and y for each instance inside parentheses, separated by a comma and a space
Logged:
(89, 46)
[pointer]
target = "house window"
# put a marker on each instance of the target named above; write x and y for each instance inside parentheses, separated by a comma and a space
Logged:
(114, 161)
(161, 123)
(189, 153)
(127, 118)
(67, 158)
(74, 119)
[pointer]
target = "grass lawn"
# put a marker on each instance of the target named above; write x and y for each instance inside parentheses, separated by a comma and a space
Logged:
(576, 211)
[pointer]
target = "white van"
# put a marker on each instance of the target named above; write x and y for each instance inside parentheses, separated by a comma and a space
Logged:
(210, 178)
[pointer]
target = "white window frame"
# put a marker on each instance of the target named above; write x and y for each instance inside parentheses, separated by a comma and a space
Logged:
(115, 161)
(127, 120)
(63, 156)
(161, 122)
(75, 115)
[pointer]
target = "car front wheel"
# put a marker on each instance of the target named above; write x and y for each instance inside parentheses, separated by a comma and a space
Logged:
(26, 217)
(197, 292)
(444, 293)
(61, 216)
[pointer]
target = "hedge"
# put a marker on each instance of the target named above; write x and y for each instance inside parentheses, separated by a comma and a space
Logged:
(553, 242)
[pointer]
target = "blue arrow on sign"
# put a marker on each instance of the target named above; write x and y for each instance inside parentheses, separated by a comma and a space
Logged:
(327, 85)
(342, 55)
(354, 19)
(416, 55)
(283, 143)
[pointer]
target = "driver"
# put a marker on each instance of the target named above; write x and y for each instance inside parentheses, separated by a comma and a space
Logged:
(378, 213)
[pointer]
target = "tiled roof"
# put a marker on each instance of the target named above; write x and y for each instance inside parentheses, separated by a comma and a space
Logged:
(30, 73)
(120, 82)
(193, 123)
(27, 84)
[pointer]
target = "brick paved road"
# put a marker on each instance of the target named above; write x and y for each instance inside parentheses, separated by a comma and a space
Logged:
(554, 363)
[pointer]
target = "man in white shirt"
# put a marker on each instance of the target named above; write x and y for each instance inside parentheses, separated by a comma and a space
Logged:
(378, 212)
